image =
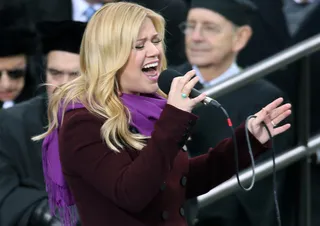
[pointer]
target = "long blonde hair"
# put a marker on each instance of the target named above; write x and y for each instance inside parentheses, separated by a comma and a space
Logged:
(105, 49)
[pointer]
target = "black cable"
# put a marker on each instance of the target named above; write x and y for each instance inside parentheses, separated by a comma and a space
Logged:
(276, 203)
(252, 158)
(236, 154)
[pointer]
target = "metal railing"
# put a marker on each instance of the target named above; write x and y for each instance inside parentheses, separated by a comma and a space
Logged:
(266, 66)
(262, 170)
(306, 146)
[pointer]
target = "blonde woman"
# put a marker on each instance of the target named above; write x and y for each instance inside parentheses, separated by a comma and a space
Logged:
(114, 144)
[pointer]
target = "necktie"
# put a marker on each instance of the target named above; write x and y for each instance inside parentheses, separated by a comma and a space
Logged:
(89, 12)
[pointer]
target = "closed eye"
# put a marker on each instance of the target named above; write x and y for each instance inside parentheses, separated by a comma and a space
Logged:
(54, 72)
(139, 47)
(157, 40)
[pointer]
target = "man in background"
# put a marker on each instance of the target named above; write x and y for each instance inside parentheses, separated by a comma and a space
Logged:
(174, 12)
(18, 43)
(215, 33)
(23, 198)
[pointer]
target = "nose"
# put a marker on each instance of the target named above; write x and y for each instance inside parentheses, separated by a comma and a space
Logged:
(64, 79)
(69, 77)
(153, 50)
(196, 34)
(5, 81)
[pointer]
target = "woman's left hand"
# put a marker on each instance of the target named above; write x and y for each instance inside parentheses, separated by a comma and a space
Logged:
(272, 115)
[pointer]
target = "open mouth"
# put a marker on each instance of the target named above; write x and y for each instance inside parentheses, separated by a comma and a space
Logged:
(151, 69)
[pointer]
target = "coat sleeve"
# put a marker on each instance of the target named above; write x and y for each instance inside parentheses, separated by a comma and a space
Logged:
(131, 184)
(16, 201)
(211, 169)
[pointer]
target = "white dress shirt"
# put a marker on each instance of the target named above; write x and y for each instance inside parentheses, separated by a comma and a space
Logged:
(231, 71)
(303, 1)
(79, 8)
(7, 104)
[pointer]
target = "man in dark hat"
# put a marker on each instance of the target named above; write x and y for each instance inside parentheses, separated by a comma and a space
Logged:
(174, 11)
(18, 42)
(23, 198)
(215, 33)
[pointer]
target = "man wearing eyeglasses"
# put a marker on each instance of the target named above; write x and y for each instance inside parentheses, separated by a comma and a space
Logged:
(17, 43)
(23, 198)
(213, 41)
(215, 33)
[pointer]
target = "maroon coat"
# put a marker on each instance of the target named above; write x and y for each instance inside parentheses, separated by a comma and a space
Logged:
(148, 187)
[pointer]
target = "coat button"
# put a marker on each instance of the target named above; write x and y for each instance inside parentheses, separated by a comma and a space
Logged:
(165, 215)
(181, 211)
(191, 122)
(163, 186)
(183, 181)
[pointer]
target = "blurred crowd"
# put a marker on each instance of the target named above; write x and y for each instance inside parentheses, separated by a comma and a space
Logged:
(40, 42)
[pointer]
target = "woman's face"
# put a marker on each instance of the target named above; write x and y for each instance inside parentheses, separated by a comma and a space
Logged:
(141, 73)
(12, 76)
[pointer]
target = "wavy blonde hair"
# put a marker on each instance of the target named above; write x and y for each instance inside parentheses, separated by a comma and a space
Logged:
(105, 50)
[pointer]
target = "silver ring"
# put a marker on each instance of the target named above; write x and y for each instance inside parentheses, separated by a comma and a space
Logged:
(274, 125)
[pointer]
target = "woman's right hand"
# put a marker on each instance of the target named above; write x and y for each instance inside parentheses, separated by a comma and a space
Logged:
(180, 89)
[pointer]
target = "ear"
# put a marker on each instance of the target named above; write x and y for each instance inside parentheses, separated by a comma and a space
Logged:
(242, 36)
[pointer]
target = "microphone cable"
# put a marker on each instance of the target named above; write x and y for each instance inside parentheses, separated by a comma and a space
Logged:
(229, 122)
(164, 82)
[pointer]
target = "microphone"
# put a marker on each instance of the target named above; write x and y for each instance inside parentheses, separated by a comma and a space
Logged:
(165, 80)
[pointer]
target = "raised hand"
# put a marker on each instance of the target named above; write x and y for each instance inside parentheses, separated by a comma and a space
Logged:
(272, 115)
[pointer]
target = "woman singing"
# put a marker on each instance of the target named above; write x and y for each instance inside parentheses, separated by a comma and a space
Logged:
(113, 148)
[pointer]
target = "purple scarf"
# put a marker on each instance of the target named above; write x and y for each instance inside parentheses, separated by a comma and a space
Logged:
(145, 111)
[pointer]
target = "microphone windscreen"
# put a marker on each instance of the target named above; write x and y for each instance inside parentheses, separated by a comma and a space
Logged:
(165, 79)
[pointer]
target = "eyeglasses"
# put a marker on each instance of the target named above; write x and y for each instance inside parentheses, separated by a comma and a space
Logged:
(14, 73)
(206, 29)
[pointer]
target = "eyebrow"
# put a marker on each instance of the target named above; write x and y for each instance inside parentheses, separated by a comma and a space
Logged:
(20, 65)
(144, 39)
(15, 67)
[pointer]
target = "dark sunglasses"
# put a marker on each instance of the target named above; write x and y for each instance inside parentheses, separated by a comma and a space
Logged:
(15, 73)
